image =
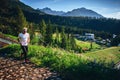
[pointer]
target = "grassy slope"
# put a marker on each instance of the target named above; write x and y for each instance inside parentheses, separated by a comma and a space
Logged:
(70, 65)
(86, 44)
(109, 54)
(10, 36)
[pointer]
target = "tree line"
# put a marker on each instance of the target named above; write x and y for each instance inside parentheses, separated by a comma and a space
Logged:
(55, 37)
(98, 24)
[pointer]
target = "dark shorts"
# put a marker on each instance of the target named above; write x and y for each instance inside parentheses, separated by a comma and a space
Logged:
(24, 49)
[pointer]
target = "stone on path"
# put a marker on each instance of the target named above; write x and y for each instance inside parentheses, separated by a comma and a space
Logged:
(11, 69)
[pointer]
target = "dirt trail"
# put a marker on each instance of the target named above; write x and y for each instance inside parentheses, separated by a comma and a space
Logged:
(11, 69)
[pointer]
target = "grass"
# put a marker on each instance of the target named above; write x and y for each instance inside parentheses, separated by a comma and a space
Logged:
(107, 55)
(69, 65)
(10, 36)
(86, 44)
(83, 44)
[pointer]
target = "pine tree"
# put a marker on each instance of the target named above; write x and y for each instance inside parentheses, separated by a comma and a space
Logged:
(4, 5)
(68, 42)
(57, 42)
(63, 39)
(42, 29)
(48, 36)
(21, 20)
(31, 30)
(73, 42)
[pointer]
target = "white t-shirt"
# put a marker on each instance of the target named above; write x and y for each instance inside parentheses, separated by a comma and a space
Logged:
(24, 38)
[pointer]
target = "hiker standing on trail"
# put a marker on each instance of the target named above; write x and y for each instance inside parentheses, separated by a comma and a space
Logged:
(24, 39)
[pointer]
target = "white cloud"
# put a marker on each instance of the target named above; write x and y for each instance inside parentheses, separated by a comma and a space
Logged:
(113, 15)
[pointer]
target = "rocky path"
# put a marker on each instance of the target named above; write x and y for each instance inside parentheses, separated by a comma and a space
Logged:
(11, 69)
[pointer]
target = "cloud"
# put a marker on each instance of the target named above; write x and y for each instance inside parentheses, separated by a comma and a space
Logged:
(113, 15)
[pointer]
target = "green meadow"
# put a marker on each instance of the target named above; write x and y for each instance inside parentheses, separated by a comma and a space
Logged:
(72, 66)
(107, 55)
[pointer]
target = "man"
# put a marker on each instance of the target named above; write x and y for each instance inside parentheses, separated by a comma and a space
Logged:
(24, 39)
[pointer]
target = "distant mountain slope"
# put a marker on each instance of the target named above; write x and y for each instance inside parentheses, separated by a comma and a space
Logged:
(9, 15)
(75, 13)
(83, 12)
(24, 7)
(52, 12)
(8, 9)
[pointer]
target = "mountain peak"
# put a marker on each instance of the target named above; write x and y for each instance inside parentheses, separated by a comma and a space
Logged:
(52, 12)
(75, 12)
(46, 8)
(82, 8)
(78, 9)
(83, 12)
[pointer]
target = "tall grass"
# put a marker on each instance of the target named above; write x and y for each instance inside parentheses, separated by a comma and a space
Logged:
(109, 54)
(10, 36)
(69, 65)
(86, 44)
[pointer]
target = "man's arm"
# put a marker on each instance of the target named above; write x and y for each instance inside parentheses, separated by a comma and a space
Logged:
(28, 39)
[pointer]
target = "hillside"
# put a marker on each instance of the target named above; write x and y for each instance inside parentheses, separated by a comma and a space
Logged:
(24, 7)
(8, 13)
(70, 65)
(9, 10)
(10, 5)
(52, 12)
(107, 55)
(74, 13)
(83, 12)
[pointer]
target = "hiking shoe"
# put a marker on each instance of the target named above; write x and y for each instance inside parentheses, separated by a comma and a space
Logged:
(26, 61)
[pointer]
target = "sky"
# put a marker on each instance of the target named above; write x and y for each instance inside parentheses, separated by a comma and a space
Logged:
(107, 8)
